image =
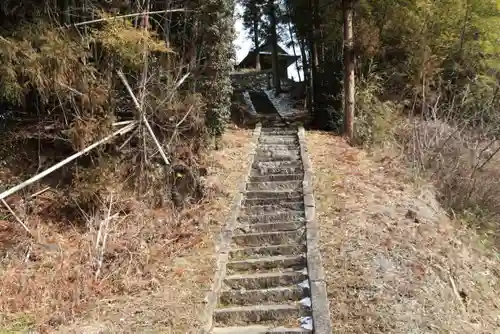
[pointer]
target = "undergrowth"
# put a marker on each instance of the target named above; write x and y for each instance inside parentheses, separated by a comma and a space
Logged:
(110, 222)
(453, 143)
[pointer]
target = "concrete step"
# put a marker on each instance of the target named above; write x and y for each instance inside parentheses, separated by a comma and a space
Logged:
(272, 250)
(277, 178)
(255, 314)
(276, 157)
(282, 194)
(276, 151)
(285, 294)
(277, 170)
(269, 238)
(272, 201)
(268, 263)
(291, 140)
(283, 206)
(273, 217)
(275, 186)
(279, 130)
(259, 329)
(265, 280)
(274, 164)
(274, 227)
(279, 133)
(279, 146)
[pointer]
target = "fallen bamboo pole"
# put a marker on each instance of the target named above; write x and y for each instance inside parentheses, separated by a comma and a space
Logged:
(37, 177)
(125, 16)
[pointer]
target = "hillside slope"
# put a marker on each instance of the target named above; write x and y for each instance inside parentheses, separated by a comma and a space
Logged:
(394, 261)
(158, 265)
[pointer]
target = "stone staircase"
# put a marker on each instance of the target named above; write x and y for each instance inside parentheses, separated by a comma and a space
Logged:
(264, 283)
(262, 103)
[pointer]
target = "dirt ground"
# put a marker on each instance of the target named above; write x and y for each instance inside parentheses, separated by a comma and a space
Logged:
(157, 266)
(394, 261)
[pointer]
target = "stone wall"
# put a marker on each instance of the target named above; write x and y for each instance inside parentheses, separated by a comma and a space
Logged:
(245, 81)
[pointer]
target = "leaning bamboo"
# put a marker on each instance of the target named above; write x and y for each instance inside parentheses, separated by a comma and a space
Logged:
(143, 115)
(37, 177)
(125, 16)
(13, 213)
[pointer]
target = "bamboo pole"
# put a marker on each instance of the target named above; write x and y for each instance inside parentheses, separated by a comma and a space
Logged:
(41, 175)
(143, 116)
(124, 16)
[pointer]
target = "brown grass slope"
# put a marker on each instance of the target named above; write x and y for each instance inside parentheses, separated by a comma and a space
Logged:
(394, 261)
(157, 265)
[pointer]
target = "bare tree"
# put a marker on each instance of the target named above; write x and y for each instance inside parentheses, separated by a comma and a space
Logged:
(349, 83)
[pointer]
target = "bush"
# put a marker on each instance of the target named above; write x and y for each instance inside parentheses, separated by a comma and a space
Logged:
(63, 87)
(464, 166)
(375, 120)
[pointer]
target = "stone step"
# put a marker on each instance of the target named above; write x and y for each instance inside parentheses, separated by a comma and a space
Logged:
(259, 329)
(274, 164)
(278, 132)
(273, 217)
(275, 186)
(279, 146)
(276, 157)
(277, 170)
(283, 194)
(285, 133)
(278, 226)
(265, 280)
(272, 250)
(277, 178)
(255, 314)
(268, 263)
(277, 149)
(267, 130)
(283, 206)
(242, 297)
(278, 135)
(291, 140)
(272, 201)
(273, 152)
(269, 238)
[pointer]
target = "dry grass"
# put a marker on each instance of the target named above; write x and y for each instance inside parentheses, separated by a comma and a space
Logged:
(394, 261)
(464, 166)
(156, 269)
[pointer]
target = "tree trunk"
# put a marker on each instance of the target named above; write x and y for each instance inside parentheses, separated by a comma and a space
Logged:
(317, 33)
(305, 67)
(307, 74)
(166, 24)
(274, 41)
(464, 28)
(313, 73)
(313, 63)
(349, 92)
(294, 52)
(256, 43)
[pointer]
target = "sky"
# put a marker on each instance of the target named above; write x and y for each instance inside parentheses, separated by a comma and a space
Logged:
(243, 44)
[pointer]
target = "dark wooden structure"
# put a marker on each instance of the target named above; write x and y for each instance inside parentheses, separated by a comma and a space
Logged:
(265, 53)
